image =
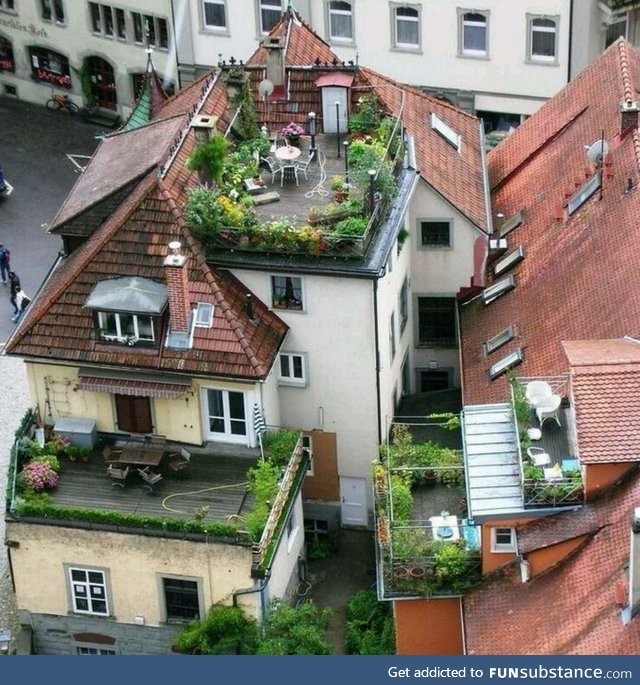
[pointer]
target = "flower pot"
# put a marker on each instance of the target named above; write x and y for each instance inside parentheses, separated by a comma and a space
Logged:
(294, 141)
(417, 572)
(341, 195)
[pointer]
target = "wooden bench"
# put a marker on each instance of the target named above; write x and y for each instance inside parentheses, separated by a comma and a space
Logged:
(266, 198)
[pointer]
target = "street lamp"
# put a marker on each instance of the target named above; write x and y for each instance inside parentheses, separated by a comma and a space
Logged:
(372, 189)
(312, 132)
(338, 124)
(5, 641)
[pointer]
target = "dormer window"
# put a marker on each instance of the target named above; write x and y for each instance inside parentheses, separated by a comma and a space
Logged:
(204, 315)
(128, 311)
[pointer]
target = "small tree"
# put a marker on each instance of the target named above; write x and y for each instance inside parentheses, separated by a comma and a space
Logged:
(295, 630)
(370, 628)
(208, 158)
(224, 630)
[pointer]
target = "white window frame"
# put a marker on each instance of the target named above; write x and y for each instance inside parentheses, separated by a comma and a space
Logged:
(52, 12)
(343, 13)
(307, 446)
(260, 7)
(227, 435)
(542, 59)
(120, 336)
(88, 585)
(291, 379)
(463, 23)
(213, 27)
(94, 650)
(396, 44)
(207, 320)
(503, 365)
(502, 547)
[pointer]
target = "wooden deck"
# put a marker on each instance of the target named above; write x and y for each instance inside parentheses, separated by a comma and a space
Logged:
(214, 481)
(555, 439)
(293, 202)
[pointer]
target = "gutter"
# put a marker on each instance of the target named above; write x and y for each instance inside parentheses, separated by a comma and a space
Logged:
(260, 587)
(485, 178)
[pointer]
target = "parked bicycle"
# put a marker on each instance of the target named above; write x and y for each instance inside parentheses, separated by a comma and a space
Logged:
(56, 102)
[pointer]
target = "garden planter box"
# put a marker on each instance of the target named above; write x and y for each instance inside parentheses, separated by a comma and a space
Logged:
(331, 219)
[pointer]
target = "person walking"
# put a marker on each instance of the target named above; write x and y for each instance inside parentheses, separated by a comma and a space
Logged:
(5, 256)
(14, 284)
(21, 303)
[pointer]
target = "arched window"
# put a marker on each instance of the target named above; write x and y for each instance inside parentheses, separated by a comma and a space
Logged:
(474, 34)
(407, 27)
(48, 66)
(7, 62)
(543, 39)
(341, 21)
(103, 84)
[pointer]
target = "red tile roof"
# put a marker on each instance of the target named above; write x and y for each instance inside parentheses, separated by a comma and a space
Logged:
(571, 609)
(576, 279)
(605, 385)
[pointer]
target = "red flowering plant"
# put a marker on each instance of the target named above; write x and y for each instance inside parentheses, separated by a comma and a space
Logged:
(39, 476)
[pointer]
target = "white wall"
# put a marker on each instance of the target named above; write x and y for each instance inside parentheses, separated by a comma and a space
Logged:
(336, 331)
(26, 28)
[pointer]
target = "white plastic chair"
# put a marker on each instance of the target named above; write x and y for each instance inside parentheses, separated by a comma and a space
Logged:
(538, 456)
(537, 391)
(304, 166)
(547, 408)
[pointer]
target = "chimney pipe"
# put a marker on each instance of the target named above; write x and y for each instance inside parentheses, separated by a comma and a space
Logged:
(628, 115)
(249, 305)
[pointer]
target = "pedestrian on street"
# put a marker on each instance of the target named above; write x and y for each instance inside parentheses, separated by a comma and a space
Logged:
(21, 303)
(5, 255)
(14, 284)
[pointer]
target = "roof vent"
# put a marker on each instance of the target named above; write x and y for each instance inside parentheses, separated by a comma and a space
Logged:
(628, 115)
(174, 258)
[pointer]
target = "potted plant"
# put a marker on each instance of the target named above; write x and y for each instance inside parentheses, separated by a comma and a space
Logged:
(339, 187)
(292, 133)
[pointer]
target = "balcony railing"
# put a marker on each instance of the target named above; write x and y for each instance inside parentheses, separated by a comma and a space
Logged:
(563, 492)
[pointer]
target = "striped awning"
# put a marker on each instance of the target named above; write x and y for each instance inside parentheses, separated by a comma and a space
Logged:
(120, 386)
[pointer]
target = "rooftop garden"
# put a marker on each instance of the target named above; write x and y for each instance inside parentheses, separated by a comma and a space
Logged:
(423, 550)
(37, 470)
(221, 211)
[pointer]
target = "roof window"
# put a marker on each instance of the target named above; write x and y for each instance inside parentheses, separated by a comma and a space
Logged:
(510, 224)
(499, 288)
(506, 363)
(499, 340)
(508, 261)
(583, 194)
(445, 131)
(128, 294)
(204, 315)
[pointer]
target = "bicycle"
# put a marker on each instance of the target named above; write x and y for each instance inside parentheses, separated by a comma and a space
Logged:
(56, 102)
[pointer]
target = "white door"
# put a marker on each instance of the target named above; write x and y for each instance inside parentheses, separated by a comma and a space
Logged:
(225, 416)
(330, 96)
(353, 494)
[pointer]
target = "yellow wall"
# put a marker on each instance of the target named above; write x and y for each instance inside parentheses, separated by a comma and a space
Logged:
(179, 419)
(134, 563)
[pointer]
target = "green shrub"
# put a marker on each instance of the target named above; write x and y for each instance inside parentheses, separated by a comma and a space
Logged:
(366, 118)
(263, 483)
(209, 157)
(224, 630)
(370, 628)
(401, 497)
(279, 445)
(50, 460)
(319, 549)
(203, 213)
(353, 226)
(295, 630)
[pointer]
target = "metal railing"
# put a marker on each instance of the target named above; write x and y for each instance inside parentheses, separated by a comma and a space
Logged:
(562, 492)
(25, 430)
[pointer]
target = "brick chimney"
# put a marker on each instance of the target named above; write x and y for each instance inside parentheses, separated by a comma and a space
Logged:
(628, 115)
(178, 289)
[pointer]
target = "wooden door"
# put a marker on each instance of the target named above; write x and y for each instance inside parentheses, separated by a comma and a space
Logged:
(103, 84)
(133, 414)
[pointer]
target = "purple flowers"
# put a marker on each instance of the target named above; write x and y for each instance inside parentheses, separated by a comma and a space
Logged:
(292, 129)
(38, 475)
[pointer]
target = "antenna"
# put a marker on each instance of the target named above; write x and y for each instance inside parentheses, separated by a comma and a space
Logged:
(597, 152)
(265, 88)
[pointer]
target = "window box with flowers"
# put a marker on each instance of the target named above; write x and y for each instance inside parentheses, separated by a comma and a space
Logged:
(292, 133)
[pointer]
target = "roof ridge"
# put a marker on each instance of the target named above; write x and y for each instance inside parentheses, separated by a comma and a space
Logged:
(623, 58)
(227, 310)
(115, 222)
(151, 122)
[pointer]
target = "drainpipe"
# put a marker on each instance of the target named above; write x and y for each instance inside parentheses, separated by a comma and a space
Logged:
(377, 345)
(262, 585)
(570, 40)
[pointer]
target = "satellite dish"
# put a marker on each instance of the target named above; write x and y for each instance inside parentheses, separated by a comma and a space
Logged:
(597, 152)
(265, 88)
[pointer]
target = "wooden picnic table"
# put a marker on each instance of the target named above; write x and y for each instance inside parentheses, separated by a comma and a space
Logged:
(141, 454)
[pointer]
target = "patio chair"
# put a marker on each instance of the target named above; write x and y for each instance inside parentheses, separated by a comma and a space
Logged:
(547, 408)
(150, 478)
(275, 166)
(291, 167)
(181, 460)
(538, 456)
(537, 391)
(118, 476)
(304, 166)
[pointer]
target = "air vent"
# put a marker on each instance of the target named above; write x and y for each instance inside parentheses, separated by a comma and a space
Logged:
(508, 261)
(510, 224)
(453, 138)
(273, 42)
(499, 340)
(505, 364)
(498, 289)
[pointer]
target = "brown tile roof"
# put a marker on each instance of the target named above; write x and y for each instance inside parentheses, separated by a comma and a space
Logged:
(120, 159)
(551, 530)
(576, 280)
(134, 241)
(571, 609)
(605, 385)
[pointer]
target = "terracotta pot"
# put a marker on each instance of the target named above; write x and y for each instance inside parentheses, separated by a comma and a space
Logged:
(417, 572)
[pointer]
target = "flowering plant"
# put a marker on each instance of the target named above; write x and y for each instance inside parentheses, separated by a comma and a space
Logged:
(38, 475)
(292, 129)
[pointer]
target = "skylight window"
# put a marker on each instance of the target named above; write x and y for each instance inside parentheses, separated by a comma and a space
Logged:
(499, 340)
(506, 363)
(510, 224)
(498, 288)
(583, 194)
(204, 315)
(508, 261)
(445, 131)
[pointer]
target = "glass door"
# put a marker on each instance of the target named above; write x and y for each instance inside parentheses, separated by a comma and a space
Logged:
(225, 415)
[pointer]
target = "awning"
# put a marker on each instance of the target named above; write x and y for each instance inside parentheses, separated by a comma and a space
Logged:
(119, 386)
(339, 79)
